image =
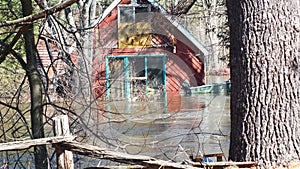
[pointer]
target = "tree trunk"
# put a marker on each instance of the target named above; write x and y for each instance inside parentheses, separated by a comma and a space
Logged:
(40, 152)
(265, 97)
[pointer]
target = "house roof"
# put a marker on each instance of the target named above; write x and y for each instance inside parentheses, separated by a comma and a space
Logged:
(169, 17)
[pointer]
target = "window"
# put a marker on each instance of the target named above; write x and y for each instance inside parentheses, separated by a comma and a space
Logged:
(133, 14)
(141, 14)
(126, 14)
(134, 26)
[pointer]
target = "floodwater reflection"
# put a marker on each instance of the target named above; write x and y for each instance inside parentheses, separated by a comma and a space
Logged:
(189, 125)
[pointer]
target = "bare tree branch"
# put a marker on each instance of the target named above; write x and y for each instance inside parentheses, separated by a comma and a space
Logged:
(182, 7)
(9, 47)
(39, 15)
(15, 54)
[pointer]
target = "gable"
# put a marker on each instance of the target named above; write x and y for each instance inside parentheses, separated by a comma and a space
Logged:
(161, 23)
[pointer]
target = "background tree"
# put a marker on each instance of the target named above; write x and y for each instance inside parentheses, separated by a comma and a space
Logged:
(265, 97)
(207, 21)
(35, 83)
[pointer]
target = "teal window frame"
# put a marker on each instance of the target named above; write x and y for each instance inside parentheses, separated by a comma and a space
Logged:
(127, 73)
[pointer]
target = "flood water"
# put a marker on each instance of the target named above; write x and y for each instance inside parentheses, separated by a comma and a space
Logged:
(190, 125)
(170, 129)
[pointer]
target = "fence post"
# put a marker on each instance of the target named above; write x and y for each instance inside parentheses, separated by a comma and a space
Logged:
(64, 157)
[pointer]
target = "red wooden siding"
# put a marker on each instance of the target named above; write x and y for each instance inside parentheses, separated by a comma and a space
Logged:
(183, 63)
(182, 66)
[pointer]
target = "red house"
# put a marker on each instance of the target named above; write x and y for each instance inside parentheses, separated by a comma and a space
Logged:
(141, 49)
(138, 50)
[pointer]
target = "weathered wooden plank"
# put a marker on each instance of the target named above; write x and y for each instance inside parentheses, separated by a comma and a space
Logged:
(117, 167)
(21, 145)
(223, 164)
(96, 152)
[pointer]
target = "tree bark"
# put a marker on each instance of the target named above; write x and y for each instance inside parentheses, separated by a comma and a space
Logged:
(40, 152)
(265, 97)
